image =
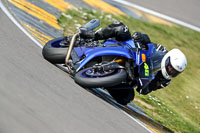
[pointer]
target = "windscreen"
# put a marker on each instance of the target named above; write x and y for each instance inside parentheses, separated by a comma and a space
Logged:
(155, 59)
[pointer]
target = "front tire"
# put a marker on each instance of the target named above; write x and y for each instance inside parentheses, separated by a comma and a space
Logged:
(111, 79)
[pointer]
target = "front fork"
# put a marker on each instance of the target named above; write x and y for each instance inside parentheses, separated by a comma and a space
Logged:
(108, 66)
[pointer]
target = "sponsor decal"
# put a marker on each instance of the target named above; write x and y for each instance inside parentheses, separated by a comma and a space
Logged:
(146, 68)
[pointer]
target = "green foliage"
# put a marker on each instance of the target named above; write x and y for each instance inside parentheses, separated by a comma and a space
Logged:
(177, 106)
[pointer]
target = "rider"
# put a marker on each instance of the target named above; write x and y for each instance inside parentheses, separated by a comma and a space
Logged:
(172, 64)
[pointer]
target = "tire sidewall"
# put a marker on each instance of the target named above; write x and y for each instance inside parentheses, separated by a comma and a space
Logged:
(52, 54)
(106, 81)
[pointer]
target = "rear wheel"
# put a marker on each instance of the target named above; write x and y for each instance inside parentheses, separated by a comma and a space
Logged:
(93, 79)
(54, 52)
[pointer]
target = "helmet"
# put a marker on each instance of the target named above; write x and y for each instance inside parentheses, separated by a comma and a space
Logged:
(173, 63)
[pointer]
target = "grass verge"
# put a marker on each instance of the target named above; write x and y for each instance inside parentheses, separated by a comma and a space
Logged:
(178, 105)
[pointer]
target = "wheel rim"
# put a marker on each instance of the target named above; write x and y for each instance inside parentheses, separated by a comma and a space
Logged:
(92, 73)
(56, 43)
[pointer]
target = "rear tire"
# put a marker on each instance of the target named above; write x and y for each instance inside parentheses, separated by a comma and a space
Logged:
(53, 53)
(115, 78)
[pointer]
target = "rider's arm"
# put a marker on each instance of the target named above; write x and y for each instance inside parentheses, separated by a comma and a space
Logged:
(158, 83)
(141, 40)
(160, 48)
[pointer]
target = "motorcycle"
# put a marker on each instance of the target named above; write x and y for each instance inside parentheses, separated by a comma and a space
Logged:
(118, 67)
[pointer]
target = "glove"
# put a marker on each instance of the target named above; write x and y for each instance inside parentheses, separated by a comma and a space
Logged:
(137, 36)
(86, 34)
(142, 38)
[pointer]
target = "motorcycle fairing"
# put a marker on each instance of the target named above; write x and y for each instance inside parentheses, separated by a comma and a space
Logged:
(145, 68)
(130, 43)
(92, 52)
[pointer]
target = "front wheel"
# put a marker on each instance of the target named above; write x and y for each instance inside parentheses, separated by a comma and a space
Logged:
(91, 79)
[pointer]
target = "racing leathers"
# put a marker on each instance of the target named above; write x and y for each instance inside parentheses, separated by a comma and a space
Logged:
(116, 30)
(120, 32)
(159, 81)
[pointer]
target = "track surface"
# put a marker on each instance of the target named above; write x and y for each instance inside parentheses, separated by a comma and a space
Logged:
(37, 97)
(184, 10)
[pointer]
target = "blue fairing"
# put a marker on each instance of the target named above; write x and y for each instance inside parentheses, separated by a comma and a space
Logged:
(110, 42)
(92, 52)
(124, 49)
(144, 59)
(130, 43)
(145, 79)
(148, 54)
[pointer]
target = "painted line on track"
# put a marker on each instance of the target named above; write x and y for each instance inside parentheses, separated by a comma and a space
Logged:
(146, 122)
(45, 38)
(100, 91)
(33, 39)
(60, 4)
(42, 37)
(5, 10)
(168, 18)
(148, 128)
(104, 6)
(37, 12)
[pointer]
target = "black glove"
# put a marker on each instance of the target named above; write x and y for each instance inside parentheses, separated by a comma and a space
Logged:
(84, 33)
(141, 38)
(137, 36)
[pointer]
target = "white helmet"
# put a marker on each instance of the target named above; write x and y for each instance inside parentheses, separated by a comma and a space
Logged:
(173, 63)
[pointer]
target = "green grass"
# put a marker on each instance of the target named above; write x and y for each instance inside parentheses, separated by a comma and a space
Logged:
(177, 106)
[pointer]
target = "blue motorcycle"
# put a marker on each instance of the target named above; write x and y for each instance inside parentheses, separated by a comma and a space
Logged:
(118, 67)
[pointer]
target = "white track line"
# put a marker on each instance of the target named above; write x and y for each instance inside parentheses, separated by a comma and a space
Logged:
(5, 10)
(158, 14)
(136, 120)
(33, 39)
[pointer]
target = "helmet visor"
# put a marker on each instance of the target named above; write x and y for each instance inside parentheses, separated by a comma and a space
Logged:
(170, 69)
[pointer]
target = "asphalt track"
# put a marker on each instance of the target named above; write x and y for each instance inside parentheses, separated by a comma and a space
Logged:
(184, 10)
(37, 97)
